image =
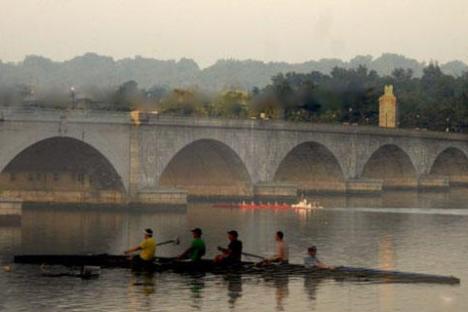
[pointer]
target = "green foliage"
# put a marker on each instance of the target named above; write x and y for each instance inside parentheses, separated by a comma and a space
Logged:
(232, 104)
(266, 104)
(427, 96)
(127, 96)
(344, 95)
(435, 101)
(185, 103)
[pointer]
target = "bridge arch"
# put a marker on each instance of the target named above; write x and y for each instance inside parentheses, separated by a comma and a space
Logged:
(312, 167)
(60, 163)
(207, 167)
(393, 165)
(451, 162)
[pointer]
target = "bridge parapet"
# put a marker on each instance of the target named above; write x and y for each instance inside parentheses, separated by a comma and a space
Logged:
(51, 115)
(155, 119)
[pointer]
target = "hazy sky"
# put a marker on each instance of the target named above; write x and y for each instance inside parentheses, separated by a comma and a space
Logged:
(207, 30)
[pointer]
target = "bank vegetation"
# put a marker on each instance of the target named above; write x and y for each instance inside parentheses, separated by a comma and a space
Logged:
(434, 100)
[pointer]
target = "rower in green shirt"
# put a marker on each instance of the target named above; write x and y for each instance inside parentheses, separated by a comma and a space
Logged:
(197, 249)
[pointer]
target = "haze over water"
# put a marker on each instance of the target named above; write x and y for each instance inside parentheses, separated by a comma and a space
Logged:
(207, 30)
(40, 45)
(418, 232)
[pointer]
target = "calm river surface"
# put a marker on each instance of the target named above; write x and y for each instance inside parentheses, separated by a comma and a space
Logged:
(404, 231)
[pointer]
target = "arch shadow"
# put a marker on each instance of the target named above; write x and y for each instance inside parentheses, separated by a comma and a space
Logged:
(451, 162)
(60, 164)
(206, 168)
(393, 165)
(313, 168)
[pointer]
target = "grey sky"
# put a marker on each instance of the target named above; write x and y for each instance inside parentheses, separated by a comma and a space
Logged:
(207, 30)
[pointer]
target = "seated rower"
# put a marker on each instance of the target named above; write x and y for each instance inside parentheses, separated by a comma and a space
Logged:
(311, 260)
(147, 249)
(233, 253)
(282, 251)
(197, 248)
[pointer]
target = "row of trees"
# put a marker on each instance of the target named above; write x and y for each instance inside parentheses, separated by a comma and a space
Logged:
(101, 71)
(435, 100)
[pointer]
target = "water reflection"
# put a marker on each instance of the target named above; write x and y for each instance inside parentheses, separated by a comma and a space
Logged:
(140, 283)
(455, 197)
(234, 287)
(145, 280)
(432, 242)
(196, 284)
(74, 231)
(281, 284)
(311, 285)
(387, 262)
(10, 241)
(386, 253)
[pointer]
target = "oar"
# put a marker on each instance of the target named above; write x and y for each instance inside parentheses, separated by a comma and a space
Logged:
(175, 241)
(253, 255)
(244, 253)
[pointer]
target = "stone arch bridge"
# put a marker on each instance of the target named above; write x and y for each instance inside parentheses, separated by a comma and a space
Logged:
(104, 157)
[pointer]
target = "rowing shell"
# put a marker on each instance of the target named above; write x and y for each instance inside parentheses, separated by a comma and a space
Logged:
(204, 266)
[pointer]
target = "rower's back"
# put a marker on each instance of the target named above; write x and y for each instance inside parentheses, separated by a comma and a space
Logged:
(235, 247)
(148, 248)
(282, 250)
(198, 249)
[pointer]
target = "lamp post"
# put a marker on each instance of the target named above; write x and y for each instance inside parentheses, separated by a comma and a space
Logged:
(73, 96)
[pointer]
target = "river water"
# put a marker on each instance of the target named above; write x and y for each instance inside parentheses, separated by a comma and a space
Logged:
(419, 232)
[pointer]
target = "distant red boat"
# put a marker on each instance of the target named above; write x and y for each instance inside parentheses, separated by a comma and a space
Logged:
(253, 206)
(302, 205)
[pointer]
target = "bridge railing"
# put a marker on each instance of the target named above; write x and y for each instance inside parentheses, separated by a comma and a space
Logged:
(282, 125)
(50, 114)
(22, 113)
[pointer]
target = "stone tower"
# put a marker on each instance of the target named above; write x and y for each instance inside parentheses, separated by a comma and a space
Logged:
(388, 109)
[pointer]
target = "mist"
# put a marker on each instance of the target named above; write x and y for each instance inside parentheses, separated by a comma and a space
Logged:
(291, 31)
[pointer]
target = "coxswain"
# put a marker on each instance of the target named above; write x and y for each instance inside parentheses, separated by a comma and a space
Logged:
(147, 249)
(233, 253)
(311, 261)
(197, 248)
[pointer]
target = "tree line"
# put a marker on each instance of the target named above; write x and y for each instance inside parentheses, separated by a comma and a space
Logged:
(93, 70)
(434, 101)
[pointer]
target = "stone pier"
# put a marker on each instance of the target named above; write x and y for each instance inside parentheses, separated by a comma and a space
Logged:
(10, 210)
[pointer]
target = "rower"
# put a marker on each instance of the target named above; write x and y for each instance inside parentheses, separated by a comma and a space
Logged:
(233, 253)
(197, 248)
(282, 251)
(147, 249)
(311, 260)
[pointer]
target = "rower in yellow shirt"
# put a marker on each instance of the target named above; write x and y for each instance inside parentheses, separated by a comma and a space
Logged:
(147, 250)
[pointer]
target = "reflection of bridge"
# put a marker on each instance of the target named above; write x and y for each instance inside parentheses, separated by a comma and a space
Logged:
(102, 155)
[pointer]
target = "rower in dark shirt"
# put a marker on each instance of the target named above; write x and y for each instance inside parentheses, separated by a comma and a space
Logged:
(233, 253)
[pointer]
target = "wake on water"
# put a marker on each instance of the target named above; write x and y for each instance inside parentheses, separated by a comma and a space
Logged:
(428, 211)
